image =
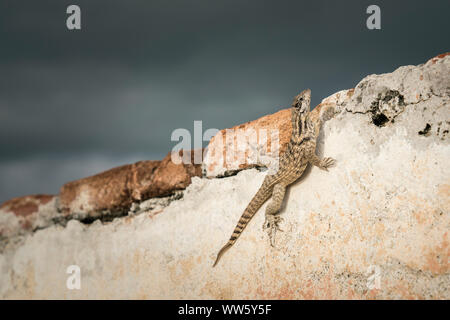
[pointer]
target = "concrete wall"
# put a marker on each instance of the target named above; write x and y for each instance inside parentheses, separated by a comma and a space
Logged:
(375, 226)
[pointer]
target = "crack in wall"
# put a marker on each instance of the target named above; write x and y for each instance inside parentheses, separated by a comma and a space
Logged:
(379, 117)
(152, 205)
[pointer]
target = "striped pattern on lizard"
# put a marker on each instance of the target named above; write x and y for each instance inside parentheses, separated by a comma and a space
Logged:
(292, 163)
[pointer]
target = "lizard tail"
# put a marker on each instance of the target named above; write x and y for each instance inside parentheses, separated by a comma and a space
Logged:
(221, 252)
(260, 197)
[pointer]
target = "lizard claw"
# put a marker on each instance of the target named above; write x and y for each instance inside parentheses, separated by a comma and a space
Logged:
(326, 163)
(272, 223)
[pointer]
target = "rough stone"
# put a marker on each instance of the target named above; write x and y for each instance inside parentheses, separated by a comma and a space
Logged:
(154, 205)
(376, 226)
(232, 149)
(23, 215)
(107, 193)
(111, 193)
(170, 176)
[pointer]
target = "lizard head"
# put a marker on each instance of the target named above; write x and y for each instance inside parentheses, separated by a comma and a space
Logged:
(302, 101)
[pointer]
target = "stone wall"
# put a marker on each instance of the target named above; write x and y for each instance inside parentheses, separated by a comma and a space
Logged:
(374, 227)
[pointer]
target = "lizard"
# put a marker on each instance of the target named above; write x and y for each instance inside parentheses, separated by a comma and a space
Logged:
(299, 153)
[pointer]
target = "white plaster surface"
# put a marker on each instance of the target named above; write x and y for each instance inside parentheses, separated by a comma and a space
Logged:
(385, 204)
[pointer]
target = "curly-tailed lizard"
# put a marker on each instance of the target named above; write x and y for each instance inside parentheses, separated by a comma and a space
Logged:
(293, 162)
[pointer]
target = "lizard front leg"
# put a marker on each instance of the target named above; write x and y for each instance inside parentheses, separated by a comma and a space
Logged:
(272, 219)
(323, 164)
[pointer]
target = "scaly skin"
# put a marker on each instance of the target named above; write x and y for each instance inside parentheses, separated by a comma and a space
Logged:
(300, 151)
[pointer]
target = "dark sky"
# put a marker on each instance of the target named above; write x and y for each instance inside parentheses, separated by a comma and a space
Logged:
(73, 103)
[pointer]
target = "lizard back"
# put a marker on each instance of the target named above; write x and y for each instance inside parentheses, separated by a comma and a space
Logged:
(292, 165)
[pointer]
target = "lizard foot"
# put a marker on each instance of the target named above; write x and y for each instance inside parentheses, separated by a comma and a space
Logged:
(272, 224)
(326, 163)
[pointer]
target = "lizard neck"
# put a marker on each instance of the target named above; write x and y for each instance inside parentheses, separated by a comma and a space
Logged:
(302, 126)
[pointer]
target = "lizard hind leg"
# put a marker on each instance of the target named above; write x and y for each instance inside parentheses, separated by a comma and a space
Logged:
(274, 206)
